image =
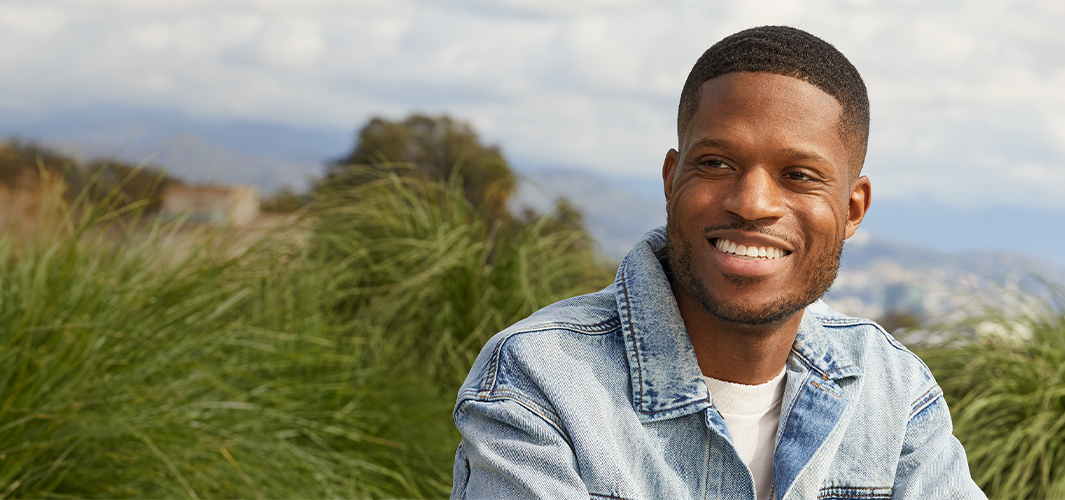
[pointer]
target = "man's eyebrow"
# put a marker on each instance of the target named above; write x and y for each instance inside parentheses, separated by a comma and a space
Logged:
(791, 154)
(802, 155)
(712, 143)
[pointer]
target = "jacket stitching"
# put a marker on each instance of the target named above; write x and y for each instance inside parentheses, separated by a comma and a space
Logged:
(926, 399)
(601, 495)
(600, 327)
(632, 333)
(835, 323)
(855, 492)
(843, 321)
(532, 406)
(825, 389)
(493, 365)
(709, 451)
(821, 373)
(521, 399)
(655, 412)
(466, 464)
(840, 368)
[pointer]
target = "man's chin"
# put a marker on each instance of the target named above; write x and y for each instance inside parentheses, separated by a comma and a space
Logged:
(766, 315)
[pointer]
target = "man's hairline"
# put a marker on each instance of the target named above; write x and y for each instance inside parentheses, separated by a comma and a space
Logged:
(853, 173)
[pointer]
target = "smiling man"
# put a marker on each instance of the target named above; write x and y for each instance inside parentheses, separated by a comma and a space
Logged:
(710, 369)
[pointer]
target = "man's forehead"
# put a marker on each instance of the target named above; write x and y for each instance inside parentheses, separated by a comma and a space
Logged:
(769, 86)
(747, 92)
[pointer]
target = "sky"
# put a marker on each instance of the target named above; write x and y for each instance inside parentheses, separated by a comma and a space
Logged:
(968, 111)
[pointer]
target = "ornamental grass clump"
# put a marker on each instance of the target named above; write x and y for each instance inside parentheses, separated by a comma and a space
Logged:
(1006, 391)
(144, 360)
(439, 276)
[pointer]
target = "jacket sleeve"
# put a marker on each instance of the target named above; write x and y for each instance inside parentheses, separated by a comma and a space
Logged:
(933, 463)
(511, 451)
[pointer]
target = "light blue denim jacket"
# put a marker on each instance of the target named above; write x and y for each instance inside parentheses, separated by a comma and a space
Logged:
(600, 396)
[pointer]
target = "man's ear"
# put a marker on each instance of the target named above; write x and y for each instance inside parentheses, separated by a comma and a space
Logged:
(861, 196)
(669, 167)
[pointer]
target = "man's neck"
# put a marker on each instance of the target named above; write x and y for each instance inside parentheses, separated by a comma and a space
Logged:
(733, 352)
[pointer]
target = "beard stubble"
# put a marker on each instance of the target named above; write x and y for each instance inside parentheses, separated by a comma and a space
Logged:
(820, 279)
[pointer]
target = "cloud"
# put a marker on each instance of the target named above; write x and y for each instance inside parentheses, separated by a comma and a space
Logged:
(966, 96)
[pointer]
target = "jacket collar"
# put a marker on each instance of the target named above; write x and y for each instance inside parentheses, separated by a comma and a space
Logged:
(664, 372)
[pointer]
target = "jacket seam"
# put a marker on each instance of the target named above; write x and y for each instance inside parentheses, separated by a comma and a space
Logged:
(855, 492)
(466, 465)
(827, 321)
(709, 453)
(697, 401)
(632, 333)
(821, 373)
(602, 495)
(840, 368)
(925, 400)
(531, 406)
(603, 328)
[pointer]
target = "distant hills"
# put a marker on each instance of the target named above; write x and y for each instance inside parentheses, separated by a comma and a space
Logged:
(268, 156)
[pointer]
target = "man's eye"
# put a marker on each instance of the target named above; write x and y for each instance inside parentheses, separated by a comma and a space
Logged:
(798, 176)
(714, 164)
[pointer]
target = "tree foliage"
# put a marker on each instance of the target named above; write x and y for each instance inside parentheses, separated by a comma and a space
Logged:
(439, 148)
(22, 164)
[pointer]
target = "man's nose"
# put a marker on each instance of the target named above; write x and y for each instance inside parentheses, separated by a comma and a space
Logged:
(755, 196)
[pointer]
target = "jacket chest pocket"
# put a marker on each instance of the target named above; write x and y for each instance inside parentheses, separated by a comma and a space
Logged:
(854, 493)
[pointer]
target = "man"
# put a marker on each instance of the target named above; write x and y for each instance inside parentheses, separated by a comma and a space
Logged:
(710, 369)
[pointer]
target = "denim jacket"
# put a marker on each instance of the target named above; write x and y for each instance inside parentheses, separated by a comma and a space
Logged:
(600, 396)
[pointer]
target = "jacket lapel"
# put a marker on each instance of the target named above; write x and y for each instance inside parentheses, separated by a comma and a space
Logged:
(814, 403)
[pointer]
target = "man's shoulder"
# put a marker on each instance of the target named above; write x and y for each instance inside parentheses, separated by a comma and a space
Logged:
(561, 339)
(875, 353)
(588, 313)
(859, 334)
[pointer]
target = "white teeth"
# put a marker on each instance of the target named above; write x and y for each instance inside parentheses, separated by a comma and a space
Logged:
(732, 247)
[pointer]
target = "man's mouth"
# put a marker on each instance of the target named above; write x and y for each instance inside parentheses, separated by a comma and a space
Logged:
(747, 252)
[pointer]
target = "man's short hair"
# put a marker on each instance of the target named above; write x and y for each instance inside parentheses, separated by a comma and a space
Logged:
(787, 51)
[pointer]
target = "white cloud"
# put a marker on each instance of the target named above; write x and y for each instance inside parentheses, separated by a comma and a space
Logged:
(966, 97)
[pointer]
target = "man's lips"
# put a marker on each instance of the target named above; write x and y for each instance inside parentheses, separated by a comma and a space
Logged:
(756, 260)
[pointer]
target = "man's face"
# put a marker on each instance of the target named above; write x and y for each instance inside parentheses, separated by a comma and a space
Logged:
(762, 167)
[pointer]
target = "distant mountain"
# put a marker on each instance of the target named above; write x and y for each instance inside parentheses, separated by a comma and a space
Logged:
(197, 160)
(199, 150)
(617, 217)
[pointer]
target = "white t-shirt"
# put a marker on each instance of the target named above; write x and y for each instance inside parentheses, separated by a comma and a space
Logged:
(751, 413)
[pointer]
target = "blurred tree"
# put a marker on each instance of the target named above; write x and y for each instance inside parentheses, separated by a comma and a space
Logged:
(118, 183)
(438, 147)
(283, 202)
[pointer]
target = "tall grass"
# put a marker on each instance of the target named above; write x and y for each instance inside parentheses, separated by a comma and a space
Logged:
(140, 361)
(1007, 399)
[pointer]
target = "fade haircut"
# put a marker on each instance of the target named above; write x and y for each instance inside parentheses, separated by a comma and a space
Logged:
(787, 51)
